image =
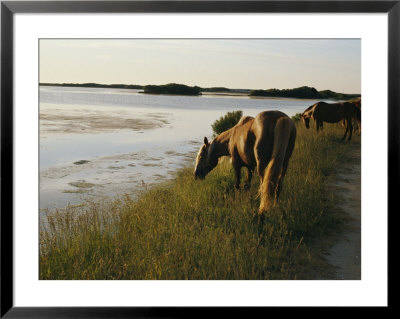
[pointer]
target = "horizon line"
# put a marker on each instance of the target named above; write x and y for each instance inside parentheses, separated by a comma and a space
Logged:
(82, 83)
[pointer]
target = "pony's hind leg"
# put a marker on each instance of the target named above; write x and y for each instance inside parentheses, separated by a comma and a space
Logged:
(262, 151)
(288, 154)
(248, 179)
(272, 175)
(349, 129)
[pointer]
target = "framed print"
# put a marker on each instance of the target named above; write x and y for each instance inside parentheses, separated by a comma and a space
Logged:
(175, 158)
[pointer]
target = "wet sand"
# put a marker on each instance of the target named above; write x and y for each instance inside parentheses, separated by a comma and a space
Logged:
(88, 120)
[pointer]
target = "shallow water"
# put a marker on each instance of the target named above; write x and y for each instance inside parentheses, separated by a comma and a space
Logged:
(99, 143)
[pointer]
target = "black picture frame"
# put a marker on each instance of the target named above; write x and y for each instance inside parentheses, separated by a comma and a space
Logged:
(9, 8)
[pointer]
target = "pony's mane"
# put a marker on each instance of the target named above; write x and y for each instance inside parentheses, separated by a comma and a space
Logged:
(211, 149)
(309, 108)
(200, 155)
(244, 119)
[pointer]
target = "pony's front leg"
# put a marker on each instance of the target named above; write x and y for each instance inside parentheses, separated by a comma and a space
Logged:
(237, 169)
(248, 179)
(347, 129)
(319, 125)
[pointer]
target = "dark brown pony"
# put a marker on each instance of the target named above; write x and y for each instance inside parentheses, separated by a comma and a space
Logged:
(265, 142)
(357, 104)
(331, 113)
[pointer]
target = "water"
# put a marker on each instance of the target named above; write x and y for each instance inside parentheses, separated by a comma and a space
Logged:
(100, 143)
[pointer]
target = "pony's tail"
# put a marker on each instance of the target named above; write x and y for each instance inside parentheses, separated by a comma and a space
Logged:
(276, 169)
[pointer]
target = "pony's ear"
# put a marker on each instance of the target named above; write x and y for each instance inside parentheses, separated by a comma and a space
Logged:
(205, 140)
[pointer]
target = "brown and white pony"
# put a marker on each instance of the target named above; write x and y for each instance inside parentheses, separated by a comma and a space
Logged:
(264, 142)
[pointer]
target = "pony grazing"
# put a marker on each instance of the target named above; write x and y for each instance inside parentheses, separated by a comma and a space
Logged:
(331, 113)
(264, 142)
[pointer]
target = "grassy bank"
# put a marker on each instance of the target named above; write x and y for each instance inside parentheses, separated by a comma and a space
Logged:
(190, 229)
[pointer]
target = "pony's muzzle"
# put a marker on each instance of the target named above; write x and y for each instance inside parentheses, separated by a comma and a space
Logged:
(307, 122)
(198, 174)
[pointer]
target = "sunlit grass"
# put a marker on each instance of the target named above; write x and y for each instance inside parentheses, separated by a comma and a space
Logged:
(190, 229)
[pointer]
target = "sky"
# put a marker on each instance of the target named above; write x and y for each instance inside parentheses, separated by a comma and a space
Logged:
(333, 64)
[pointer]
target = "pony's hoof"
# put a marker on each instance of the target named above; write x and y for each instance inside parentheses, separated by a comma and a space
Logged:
(259, 218)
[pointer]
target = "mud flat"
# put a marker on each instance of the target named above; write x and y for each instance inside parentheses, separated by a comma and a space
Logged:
(75, 119)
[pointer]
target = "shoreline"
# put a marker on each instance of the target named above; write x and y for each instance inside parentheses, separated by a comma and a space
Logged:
(202, 93)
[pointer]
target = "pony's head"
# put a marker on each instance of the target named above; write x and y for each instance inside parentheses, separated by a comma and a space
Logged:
(205, 160)
(306, 120)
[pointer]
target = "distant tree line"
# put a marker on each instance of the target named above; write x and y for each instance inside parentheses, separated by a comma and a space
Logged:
(304, 92)
(161, 89)
(95, 85)
(327, 94)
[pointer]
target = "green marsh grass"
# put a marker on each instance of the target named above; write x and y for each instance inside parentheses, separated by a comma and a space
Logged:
(191, 229)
